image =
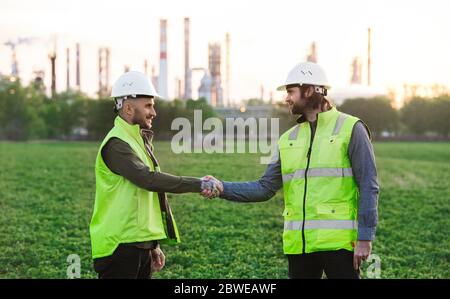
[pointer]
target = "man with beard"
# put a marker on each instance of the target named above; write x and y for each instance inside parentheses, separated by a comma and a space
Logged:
(326, 167)
(131, 214)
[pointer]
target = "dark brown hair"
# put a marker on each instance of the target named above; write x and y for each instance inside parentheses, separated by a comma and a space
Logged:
(316, 100)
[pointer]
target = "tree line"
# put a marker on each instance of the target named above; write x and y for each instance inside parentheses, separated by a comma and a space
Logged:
(418, 117)
(27, 113)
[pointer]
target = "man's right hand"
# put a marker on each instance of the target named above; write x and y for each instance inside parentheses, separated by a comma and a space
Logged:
(211, 187)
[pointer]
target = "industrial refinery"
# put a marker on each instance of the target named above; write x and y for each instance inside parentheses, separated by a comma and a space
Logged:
(210, 86)
(209, 80)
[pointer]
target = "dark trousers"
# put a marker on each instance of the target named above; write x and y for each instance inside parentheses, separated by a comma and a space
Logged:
(335, 264)
(127, 261)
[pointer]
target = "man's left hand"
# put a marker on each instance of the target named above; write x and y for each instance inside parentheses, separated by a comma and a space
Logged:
(362, 252)
(158, 259)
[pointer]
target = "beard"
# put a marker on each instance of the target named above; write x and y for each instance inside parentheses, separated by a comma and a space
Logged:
(142, 121)
(306, 104)
(298, 107)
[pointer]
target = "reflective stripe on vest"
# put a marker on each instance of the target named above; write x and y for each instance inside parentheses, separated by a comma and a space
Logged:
(318, 172)
(320, 193)
(294, 133)
(340, 121)
(124, 212)
(321, 224)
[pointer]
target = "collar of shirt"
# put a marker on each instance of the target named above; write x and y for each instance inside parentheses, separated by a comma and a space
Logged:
(147, 135)
(301, 119)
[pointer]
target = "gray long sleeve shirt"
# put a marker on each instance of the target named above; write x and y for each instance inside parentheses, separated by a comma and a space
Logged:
(362, 159)
(122, 160)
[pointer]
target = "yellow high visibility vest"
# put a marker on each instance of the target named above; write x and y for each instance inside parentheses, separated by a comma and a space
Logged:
(123, 212)
(320, 192)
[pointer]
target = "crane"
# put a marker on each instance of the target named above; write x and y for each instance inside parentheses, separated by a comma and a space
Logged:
(13, 44)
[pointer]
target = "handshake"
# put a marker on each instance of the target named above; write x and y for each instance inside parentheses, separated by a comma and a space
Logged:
(211, 187)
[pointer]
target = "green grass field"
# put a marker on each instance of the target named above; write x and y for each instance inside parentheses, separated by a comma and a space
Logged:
(47, 192)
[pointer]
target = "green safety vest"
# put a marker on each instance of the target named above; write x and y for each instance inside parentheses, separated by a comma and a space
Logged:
(320, 192)
(123, 212)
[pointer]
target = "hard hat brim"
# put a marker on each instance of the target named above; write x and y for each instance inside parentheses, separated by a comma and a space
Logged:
(156, 95)
(283, 87)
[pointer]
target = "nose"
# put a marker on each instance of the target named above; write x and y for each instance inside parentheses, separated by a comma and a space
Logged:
(287, 99)
(153, 113)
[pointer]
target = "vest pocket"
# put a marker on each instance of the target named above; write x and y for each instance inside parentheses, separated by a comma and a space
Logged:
(331, 150)
(291, 214)
(335, 230)
(294, 155)
(333, 211)
(334, 239)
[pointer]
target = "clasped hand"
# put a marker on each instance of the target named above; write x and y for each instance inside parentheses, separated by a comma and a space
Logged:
(211, 187)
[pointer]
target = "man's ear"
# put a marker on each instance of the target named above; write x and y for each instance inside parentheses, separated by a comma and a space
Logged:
(309, 91)
(128, 107)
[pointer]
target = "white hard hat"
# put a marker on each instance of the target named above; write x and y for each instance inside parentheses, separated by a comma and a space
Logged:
(306, 73)
(132, 84)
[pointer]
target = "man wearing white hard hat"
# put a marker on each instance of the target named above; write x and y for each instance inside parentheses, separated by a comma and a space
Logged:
(132, 216)
(326, 167)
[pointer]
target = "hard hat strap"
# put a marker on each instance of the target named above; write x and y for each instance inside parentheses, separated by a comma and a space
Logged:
(321, 90)
(119, 102)
(317, 89)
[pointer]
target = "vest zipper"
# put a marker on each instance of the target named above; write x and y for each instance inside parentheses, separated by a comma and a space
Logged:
(308, 155)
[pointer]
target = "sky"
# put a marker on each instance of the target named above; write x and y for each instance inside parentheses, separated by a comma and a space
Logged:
(410, 39)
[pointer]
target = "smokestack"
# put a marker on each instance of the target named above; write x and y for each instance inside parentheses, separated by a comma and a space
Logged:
(14, 66)
(368, 57)
(68, 69)
(178, 92)
(145, 67)
(187, 71)
(78, 68)
(312, 56)
(356, 71)
(214, 51)
(162, 81)
(154, 78)
(100, 72)
(52, 57)
(103, 72)
(227, 78)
